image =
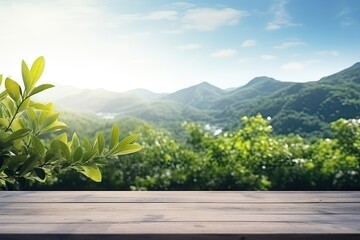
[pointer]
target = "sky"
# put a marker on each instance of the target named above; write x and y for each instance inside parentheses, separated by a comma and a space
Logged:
(163, 45)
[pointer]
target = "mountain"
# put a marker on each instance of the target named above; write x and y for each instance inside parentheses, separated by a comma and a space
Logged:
(101, 100)
(126, 102)
(257, 87)
(143, 93)
(199, 96)
(261, 86)
(87, 100)
(304, 108)
(350, 75)
(309, 107)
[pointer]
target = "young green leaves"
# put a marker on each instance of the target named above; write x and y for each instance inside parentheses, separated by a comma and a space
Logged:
(31, 76)
(24, 155)
(125, 146)
(13, 89)
(93, 155)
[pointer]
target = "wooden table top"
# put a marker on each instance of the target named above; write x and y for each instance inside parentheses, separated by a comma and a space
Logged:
(179, 215)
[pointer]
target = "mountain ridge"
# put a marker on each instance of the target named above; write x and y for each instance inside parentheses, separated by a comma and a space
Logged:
(293, 107)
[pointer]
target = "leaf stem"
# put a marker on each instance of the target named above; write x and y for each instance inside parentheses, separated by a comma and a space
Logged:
(16, 112)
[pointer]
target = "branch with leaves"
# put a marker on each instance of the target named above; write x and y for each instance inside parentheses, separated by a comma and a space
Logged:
(25, 156)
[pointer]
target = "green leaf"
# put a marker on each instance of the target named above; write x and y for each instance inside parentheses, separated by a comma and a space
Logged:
(128, 139)
(24, 105)
(114, 136)
(3, 135)
(125, 146)
(101, 142)
(16, 161)
(45, 107)
(13, 89)
(18, 144)
(54, 127)
(4, 122)
(37, 69)
(18, 124)
(88, 155)
(92, 171)
(18, 134)
(78, 154)
(63, 137)
(87, 145)
(33, 118)
(38, 145)
(26, 75)
(40, 173)
(50, 120)
(40, 88)
(3, 95)
(10, 106)
(59, 145)
(28, 165)
(43, 115)
(75, 142)
(1, 78)
(131, 148)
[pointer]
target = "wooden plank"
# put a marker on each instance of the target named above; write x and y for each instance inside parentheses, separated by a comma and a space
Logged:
(183, 196)
(183, 227)
(176, 217)
(180, 236)
(180, 215)
(111, 209)
(325, 208)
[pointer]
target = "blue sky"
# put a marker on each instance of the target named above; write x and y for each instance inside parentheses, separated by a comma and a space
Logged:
(166, 45)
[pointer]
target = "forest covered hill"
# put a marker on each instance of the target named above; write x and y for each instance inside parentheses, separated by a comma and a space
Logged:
(304, 108)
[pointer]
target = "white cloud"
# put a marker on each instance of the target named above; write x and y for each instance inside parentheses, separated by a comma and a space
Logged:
(249, 43)
(209, 19)
(190, 46)
(347, 21)
(228, 52)
(153, 16)
(182, 5)
(345, 16)
(281, 17)
(293, 66)
(328, 53)
(162, 15)
(290, 44)
(268, 57)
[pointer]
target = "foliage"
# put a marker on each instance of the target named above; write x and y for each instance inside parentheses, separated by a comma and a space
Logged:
(24, 155)
(249, 158)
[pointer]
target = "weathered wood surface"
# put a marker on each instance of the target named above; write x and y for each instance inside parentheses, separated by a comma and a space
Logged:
(180, 215)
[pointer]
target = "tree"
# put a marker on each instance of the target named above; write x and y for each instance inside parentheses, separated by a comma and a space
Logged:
(25, 155)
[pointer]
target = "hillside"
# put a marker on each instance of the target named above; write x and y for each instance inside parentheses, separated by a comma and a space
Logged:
(304, 108)
(309, 107)
(199, 96)
(257, 87)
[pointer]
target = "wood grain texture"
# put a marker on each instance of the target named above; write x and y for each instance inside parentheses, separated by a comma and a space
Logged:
(180, 215)
(181, 196)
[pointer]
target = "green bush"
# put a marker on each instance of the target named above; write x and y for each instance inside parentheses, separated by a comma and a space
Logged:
(250, 158)
(24, 155)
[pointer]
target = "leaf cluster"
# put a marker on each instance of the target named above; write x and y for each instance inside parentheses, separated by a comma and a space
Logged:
(24, 155)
